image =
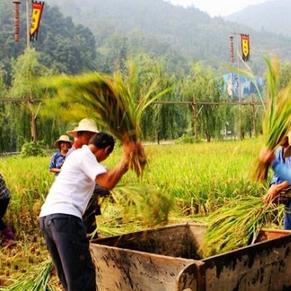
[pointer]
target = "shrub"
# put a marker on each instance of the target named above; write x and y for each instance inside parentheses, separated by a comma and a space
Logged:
(29, 149)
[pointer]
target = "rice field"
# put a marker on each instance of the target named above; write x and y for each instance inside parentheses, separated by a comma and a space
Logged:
(198, 178)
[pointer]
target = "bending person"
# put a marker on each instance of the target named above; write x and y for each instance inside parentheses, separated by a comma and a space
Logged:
(61, 215)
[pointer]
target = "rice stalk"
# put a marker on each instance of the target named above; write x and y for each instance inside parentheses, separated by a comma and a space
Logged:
(145, 204)
(35, 280)
(114, 102)
(237, 224)
(277, 117)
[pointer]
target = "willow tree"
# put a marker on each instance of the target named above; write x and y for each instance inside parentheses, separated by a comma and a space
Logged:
(203, 85)
(26, 71)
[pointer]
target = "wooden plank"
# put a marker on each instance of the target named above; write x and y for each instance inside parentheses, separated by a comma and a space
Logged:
(174, 241)
(119, 269)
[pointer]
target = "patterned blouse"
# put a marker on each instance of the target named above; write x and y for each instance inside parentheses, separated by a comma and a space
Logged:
(4, 192)
(57, 161)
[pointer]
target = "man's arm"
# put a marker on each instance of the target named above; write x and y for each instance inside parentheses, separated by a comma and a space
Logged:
(109, 179)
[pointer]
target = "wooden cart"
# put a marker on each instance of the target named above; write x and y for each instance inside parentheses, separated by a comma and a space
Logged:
(166, 259)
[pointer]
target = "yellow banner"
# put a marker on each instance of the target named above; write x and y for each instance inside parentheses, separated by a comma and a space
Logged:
(245, 47)
(37, 8)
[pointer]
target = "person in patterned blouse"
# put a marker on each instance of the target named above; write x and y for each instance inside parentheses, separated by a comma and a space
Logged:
(7, 234)
(64, 144)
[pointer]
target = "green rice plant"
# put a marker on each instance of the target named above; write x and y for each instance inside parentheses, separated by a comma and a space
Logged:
(277, 117)
(146, 204)
(238, 223)
(113, 101)
(28, 180)
(37, 279)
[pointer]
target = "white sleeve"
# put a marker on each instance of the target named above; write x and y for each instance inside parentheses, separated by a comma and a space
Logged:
(91, 167)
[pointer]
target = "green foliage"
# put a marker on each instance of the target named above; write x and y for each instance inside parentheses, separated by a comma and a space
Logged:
(277, 117)
(238, 223)
(186, 138)
(33, 149)
(159, 29)
(35, 280)
(64, 46)
(145, 204)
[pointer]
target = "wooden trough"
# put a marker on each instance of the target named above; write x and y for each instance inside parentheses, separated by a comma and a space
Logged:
(166, 259)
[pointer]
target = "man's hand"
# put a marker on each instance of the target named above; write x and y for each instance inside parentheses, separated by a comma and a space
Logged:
(130, 148)
(274, 192)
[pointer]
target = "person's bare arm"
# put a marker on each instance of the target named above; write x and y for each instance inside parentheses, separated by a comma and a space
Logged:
(109, 179)
(274, 192)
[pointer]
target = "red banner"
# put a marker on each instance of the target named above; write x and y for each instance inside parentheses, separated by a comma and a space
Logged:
(37, 8)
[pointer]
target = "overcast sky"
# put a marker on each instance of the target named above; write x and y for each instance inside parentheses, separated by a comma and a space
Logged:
(218, 7)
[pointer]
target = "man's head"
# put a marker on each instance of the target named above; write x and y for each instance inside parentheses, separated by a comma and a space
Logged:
(84, 131)
(101, 145)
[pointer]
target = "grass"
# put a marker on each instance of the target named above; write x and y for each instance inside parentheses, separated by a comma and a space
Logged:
(199, 178)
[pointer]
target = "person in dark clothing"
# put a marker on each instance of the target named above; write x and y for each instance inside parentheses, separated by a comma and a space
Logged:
(7, 234)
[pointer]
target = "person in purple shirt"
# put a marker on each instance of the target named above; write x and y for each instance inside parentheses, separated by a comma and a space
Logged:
(64, 144)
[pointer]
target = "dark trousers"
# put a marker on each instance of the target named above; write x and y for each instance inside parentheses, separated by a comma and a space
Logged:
(66, 239)
(3, 207)
(93, 209)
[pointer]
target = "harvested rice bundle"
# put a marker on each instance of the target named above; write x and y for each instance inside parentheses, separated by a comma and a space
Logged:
(113, 102)
(277, 118)
(238, 223)
(148, 205)
(35, 280)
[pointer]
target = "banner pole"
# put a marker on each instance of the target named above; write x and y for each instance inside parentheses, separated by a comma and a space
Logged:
(27, 25)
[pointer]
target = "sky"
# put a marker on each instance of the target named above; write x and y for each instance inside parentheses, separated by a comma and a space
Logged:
(218, 7)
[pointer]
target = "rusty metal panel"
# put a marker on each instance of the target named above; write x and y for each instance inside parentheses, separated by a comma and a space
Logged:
(263, 266)
(120, 269)
(174, 241)
(166, 259)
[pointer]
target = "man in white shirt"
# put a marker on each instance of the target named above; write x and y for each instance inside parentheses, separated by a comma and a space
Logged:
(61, 215)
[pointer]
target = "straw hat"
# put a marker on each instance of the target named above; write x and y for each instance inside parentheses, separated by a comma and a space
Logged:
(85, 124)
(63, 138)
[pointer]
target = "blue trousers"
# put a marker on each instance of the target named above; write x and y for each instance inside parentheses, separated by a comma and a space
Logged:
(66, 239)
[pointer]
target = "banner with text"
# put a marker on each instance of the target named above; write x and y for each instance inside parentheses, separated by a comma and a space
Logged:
(37, 9)
(245, 47)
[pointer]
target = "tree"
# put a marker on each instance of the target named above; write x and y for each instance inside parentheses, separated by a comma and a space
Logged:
(26, 71)
(203, 85)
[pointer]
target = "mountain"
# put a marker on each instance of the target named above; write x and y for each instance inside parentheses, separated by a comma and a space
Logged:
(166, 30)
(272, 16)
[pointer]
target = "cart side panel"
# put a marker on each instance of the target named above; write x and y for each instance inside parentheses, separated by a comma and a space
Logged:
(263, 266)
(120, 269)
(174, 241)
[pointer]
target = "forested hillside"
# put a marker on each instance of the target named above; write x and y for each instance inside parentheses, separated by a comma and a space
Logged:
(272, 16)
(143, 24)
(64, 46)
(183, 48)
